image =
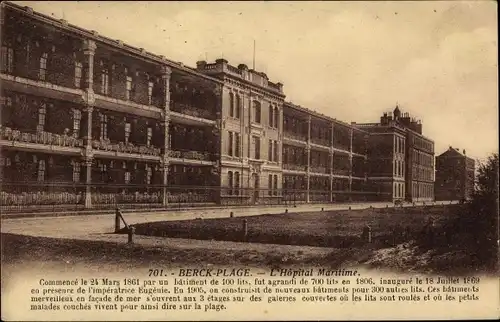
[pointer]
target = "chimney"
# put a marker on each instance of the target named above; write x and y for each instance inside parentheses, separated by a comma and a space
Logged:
(242, 67)
(201, 64)
(221, 61)
(464, 152)
(221, 64)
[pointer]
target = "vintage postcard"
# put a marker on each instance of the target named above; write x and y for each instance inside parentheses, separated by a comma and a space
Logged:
(249, 160)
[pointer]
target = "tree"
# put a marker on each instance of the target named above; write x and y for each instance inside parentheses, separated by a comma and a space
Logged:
(471, 232)
(481, 218)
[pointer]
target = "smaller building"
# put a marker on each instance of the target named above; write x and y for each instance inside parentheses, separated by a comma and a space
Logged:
(400, 158)
(454, 175)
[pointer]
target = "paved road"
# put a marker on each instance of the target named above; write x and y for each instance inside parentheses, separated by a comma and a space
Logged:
(86, 225)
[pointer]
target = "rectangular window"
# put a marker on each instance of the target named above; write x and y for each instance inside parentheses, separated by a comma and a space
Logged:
(238, 106)
(41, 171)
(128, 129)
(270, 152)
(76, 172)
(104, 126)
(78, 74)
(231, 104)
(237, 183)
(104, 82)
(276, 117)
(77, 117)
(42, 111)
(150, 92)
(149, 174)
(127, 177)
(271, 116)
(7, 59)
(256, 112)
(150, 136)
(128, 93)
(276, 154)
(256, 141)
(43, 66)
(230, 182)
(270, 190)
(275, 185)
(230, 144)
(237, 144)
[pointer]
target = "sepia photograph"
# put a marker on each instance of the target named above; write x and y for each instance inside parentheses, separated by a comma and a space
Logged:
(249, 160)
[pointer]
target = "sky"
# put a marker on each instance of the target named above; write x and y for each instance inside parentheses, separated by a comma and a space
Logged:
(349, 60)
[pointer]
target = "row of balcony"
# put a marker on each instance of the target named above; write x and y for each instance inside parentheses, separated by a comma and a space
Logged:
(191, 110)
(106, 145)
(41, 137)
(315, 169)
(323, 142)
(192, 155)
(47, 138)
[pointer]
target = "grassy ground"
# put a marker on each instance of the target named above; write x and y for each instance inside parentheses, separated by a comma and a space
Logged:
(20, 251)
(337, 229)
(109, 252)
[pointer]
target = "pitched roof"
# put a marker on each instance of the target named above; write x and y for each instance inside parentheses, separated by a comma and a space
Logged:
(452, 153)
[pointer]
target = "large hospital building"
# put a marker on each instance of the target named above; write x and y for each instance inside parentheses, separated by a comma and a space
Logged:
(92, 122)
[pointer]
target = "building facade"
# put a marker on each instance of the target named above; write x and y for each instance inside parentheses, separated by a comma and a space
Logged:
(93, 122)
(455, 173)
(401, 159)
(251, 134)
(324, 160)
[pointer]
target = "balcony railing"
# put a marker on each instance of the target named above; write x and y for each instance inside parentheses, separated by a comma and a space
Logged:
(341, 145)
(295, 136)
(319, 169)
(41, 137)
(320, 141)
(341, 172)
(193, 155)
(191, 110)
(294, 167)
(106, 145)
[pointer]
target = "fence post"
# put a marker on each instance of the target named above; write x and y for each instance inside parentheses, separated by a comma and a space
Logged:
(131, 233)
(245, 229)
(367, 234)
(117, 220)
